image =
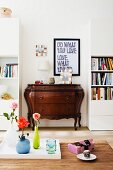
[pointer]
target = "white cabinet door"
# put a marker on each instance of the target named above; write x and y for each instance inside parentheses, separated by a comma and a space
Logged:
(9, 37)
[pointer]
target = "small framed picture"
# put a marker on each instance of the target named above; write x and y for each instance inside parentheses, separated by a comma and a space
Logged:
(66, 55)
(41, 50)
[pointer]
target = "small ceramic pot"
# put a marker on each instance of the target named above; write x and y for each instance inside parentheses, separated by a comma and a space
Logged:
(23, 146)
(86, 153)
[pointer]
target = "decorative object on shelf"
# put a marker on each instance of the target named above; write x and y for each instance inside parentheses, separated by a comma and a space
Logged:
(36, 137)
(66, 76)
(5, 12)
(23, 145)
(11, 134)
(51, 146)
(41, 50)
(51, 80)
(6, 96)
(67, 54)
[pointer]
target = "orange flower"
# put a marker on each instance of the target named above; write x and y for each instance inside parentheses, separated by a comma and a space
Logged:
(22, 123)
(36, 116)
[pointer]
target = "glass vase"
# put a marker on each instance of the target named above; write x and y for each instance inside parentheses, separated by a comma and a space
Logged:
(36, 138)
(11, 136)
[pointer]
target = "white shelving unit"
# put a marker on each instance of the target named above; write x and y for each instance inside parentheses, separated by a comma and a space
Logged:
(101, 98)
(100, 110)
(9, 59)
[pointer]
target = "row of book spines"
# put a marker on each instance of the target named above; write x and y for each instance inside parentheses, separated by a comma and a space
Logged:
(102, 93)
(102, 63)
(10, 70)
(102, 78)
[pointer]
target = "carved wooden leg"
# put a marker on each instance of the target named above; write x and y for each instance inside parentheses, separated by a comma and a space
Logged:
(29, 119)
(75, 123)
(79, 120)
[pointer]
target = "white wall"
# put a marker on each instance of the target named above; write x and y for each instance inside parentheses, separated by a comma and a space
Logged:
(43, 20)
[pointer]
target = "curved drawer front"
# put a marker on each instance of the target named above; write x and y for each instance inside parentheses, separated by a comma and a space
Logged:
(54, 97)
(62, 111)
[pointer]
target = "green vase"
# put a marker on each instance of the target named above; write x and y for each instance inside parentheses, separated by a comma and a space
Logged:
(36, 138)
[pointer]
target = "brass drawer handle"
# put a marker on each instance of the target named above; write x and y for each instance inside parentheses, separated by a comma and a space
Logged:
(41, 97)
(67, 98)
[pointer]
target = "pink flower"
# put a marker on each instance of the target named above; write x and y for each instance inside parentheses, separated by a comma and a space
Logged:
(36, 116)
(14, 105)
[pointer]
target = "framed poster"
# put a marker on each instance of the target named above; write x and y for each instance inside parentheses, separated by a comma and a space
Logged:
(66, 55)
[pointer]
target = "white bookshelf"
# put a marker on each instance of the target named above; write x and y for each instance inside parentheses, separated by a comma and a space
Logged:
(101, 104)
(102, 78)
(100, 111)
(9, 55)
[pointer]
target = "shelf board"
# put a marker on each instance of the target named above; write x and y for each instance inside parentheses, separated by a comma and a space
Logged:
(8, 56)
(101, 56)
(101, 86)
(102, 100)
(103, 71)
(8, 78)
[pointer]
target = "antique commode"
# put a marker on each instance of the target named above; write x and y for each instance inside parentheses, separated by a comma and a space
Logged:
(56, 101)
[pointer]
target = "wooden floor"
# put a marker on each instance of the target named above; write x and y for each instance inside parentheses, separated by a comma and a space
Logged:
(70, 135)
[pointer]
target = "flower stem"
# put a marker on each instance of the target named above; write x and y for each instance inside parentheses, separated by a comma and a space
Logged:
(11, 120)
(22, 132)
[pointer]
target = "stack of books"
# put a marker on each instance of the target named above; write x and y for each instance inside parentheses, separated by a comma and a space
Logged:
(9, 70)
(102, 93)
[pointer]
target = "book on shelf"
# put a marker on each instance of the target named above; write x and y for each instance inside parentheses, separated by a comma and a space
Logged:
(98, 79)
(104, 79)
(93, 93)
(102, 94)
(94, 64)
(98, 93)
(110, 63)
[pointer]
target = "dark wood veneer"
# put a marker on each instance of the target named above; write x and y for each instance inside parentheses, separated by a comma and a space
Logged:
(56, 101)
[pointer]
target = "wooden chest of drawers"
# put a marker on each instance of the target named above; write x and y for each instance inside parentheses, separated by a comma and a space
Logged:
(54, 101)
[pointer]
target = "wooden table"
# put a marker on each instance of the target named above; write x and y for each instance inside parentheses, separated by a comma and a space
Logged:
(69, 161)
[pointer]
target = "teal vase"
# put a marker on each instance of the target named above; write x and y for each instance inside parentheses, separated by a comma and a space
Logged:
(36, 139)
